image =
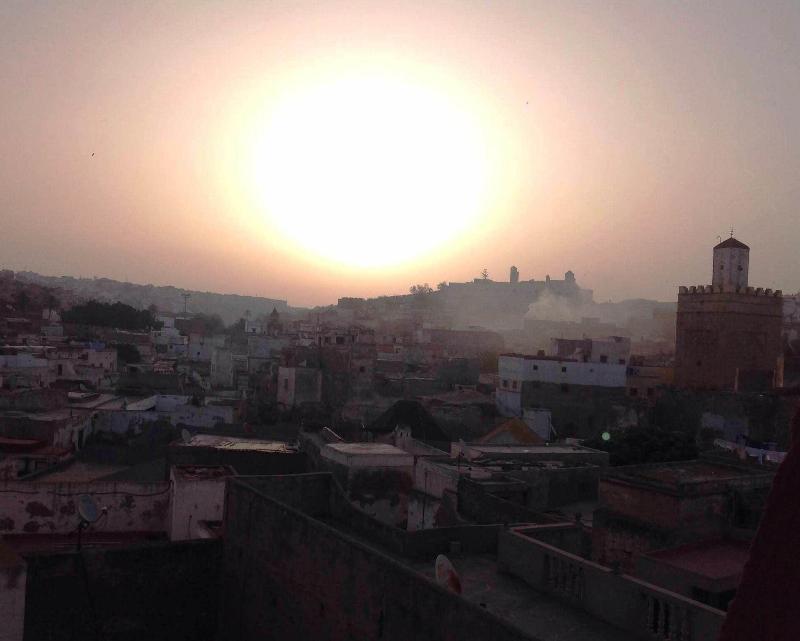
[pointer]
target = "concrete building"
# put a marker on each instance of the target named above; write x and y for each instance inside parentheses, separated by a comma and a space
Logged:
(728, 330)
(376, 477)
(297, 559)
(298, 386)
(662, 505)
(197, 496)
(516, 369)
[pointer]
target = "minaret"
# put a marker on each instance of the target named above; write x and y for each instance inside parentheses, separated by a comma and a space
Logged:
(513, 275)
(731, 262)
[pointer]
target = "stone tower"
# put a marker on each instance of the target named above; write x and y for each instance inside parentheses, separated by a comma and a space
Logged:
(514, 275)
(728, 335)
(731, 262)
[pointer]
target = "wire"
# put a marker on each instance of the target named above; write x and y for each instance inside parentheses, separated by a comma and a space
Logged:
(55, 493)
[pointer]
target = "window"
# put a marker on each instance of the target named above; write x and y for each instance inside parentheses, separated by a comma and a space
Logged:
(340, 340)
(505, 382)
(535, 367)
(563, 369)
(362, 369)
(286, 384)
(634, 391)
(621, 361)
(603, 358)
(565, 388)
(513, 384)
(650, 391)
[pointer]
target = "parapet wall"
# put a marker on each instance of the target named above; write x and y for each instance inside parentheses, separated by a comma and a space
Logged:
(745, 291)
(51, 508)
(289, 576)
(633, 605)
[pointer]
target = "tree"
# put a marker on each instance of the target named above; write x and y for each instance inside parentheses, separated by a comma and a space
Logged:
(645, 445)
(485, 274)
(127, 353)
(52, 302)
(421, 290)
(212, 323)
(22, 300)
(441, 285)
(117, 315)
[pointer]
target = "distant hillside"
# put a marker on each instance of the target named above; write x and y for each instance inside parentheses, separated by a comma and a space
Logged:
(229, 307)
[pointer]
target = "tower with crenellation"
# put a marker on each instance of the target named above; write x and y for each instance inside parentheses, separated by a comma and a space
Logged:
(728, 334)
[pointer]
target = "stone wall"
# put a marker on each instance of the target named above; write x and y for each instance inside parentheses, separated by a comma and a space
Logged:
(718, 332)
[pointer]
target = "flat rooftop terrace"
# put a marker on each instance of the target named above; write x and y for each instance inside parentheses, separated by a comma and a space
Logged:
(536, 614)
(677, 475)
(718, 559)
(233, 443)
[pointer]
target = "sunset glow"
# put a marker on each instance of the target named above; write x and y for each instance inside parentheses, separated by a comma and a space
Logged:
(367, 169)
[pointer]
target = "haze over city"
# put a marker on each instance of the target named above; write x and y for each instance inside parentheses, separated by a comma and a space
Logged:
(308, 151)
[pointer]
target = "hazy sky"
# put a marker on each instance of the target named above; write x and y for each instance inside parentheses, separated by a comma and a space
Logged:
(314, 150)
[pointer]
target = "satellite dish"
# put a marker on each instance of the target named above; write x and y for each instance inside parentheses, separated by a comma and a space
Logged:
(446, 574)
(186, 435)
(87, 509)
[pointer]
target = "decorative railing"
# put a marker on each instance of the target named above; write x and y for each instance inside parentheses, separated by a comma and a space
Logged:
(640, 608)
(565, 577)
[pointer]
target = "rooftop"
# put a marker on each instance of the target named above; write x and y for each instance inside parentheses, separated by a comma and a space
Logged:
(540, 357)
(677, 475)
(234, 443)
(79, 472)
(202, 472)
(367, 454)
(731, 243)
(717, 559)
(523, 450)
(512, 601)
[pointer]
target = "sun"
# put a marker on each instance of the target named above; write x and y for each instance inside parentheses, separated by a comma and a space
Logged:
(369, 170)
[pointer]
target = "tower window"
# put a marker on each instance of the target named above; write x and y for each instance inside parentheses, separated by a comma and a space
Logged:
(740, 268)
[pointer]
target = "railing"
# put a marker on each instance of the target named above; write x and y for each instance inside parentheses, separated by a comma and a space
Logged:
(642, 609)
(667, 621)
(565, 577)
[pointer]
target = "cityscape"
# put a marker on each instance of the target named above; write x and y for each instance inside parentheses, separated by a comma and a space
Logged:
(245, 401)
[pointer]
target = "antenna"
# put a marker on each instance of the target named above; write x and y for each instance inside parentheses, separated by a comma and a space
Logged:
(87, 510)
(186, 436)
(731, 232)
(446, 574)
